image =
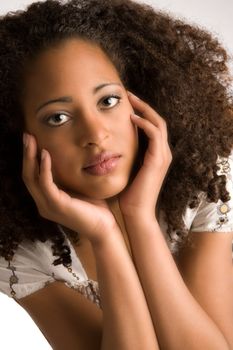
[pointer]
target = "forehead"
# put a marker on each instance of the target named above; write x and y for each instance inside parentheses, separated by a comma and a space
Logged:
(70, 64)
(73, 55)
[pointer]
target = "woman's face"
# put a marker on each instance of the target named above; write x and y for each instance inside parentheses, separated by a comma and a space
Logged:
(77, 108)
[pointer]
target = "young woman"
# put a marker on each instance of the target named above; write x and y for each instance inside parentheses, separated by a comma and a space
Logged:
(116, 232)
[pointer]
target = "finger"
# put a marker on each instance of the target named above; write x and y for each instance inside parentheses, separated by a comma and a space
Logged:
(151, 115)
(158, 147)
(47, 185)
(30, 169)
(148, 112)
(156, 141)
(56, 201)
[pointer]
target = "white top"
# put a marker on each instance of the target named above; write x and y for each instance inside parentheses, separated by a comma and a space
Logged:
(31, 268)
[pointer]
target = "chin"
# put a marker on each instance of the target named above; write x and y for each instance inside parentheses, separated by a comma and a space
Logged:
(106, 193)
(106, 189)
(109, 188)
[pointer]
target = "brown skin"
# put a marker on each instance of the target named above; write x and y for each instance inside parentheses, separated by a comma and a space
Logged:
(74, 69)
(121, 320)
(180, 70)
(186, 92)
(89, 126)
(150, 251)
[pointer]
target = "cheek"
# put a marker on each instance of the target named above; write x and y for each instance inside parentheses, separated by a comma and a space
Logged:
(53, 144)
(60, 156)
(64, 168)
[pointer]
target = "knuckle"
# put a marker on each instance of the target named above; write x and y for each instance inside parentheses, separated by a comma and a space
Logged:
(49, 203)
(145, 108)
(26, 178)
(157, 132)
(43, 213)
(44, 209)
(52, 205)
(170, 157)
(160, 163)
(163, 123)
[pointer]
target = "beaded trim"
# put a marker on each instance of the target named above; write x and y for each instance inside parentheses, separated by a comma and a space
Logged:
(223, 209)
(224, 166)
(88, 288)
(13, 279)
(69, 268)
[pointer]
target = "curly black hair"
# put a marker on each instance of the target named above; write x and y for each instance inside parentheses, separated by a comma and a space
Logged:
(179, 69)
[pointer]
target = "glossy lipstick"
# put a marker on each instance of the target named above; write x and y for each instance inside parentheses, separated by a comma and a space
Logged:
(102, 164)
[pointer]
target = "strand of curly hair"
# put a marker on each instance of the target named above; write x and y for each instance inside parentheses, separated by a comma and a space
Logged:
(179, 69)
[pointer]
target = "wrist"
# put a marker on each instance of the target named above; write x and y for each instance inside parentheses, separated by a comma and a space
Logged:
(109, 237)
(143, 224)
(140, 216)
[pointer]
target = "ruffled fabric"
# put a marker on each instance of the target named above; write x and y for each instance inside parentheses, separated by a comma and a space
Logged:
(31, 270)
(208, 217)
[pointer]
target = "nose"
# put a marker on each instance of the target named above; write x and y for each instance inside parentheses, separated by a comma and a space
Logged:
(92, 130)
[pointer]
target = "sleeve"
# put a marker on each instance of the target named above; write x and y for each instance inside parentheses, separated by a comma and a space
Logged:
(217, 217)
(26, 273)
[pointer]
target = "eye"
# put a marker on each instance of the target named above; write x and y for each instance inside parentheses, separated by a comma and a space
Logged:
(110, 101)
(57, 119)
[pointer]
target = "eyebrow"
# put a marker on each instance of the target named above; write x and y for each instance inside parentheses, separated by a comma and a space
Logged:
(68, 99)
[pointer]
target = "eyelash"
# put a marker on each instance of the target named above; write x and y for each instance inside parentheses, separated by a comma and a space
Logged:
(112, 96)
(47, 119)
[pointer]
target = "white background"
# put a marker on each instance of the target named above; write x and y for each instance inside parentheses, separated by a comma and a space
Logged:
(17, 329)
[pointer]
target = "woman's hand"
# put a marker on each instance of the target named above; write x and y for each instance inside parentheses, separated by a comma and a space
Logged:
(141, 196)
(91, 218)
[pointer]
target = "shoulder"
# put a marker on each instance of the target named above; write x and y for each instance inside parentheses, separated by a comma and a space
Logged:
(32, 269)
(67, 293)
(76, 317)
(210, 216)
(28, 271)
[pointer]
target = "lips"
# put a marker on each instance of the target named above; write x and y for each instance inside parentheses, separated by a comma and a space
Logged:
(100, 158)
(102, 164)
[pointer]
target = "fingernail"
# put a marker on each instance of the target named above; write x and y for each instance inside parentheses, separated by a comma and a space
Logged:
(43, 154)
(132, 95)
(135, 115)
(25, 139)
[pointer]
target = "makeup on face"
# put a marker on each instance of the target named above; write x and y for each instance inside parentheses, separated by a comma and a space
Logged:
(78, 109)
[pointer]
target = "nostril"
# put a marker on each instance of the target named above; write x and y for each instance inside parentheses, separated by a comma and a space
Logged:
(92, 138)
